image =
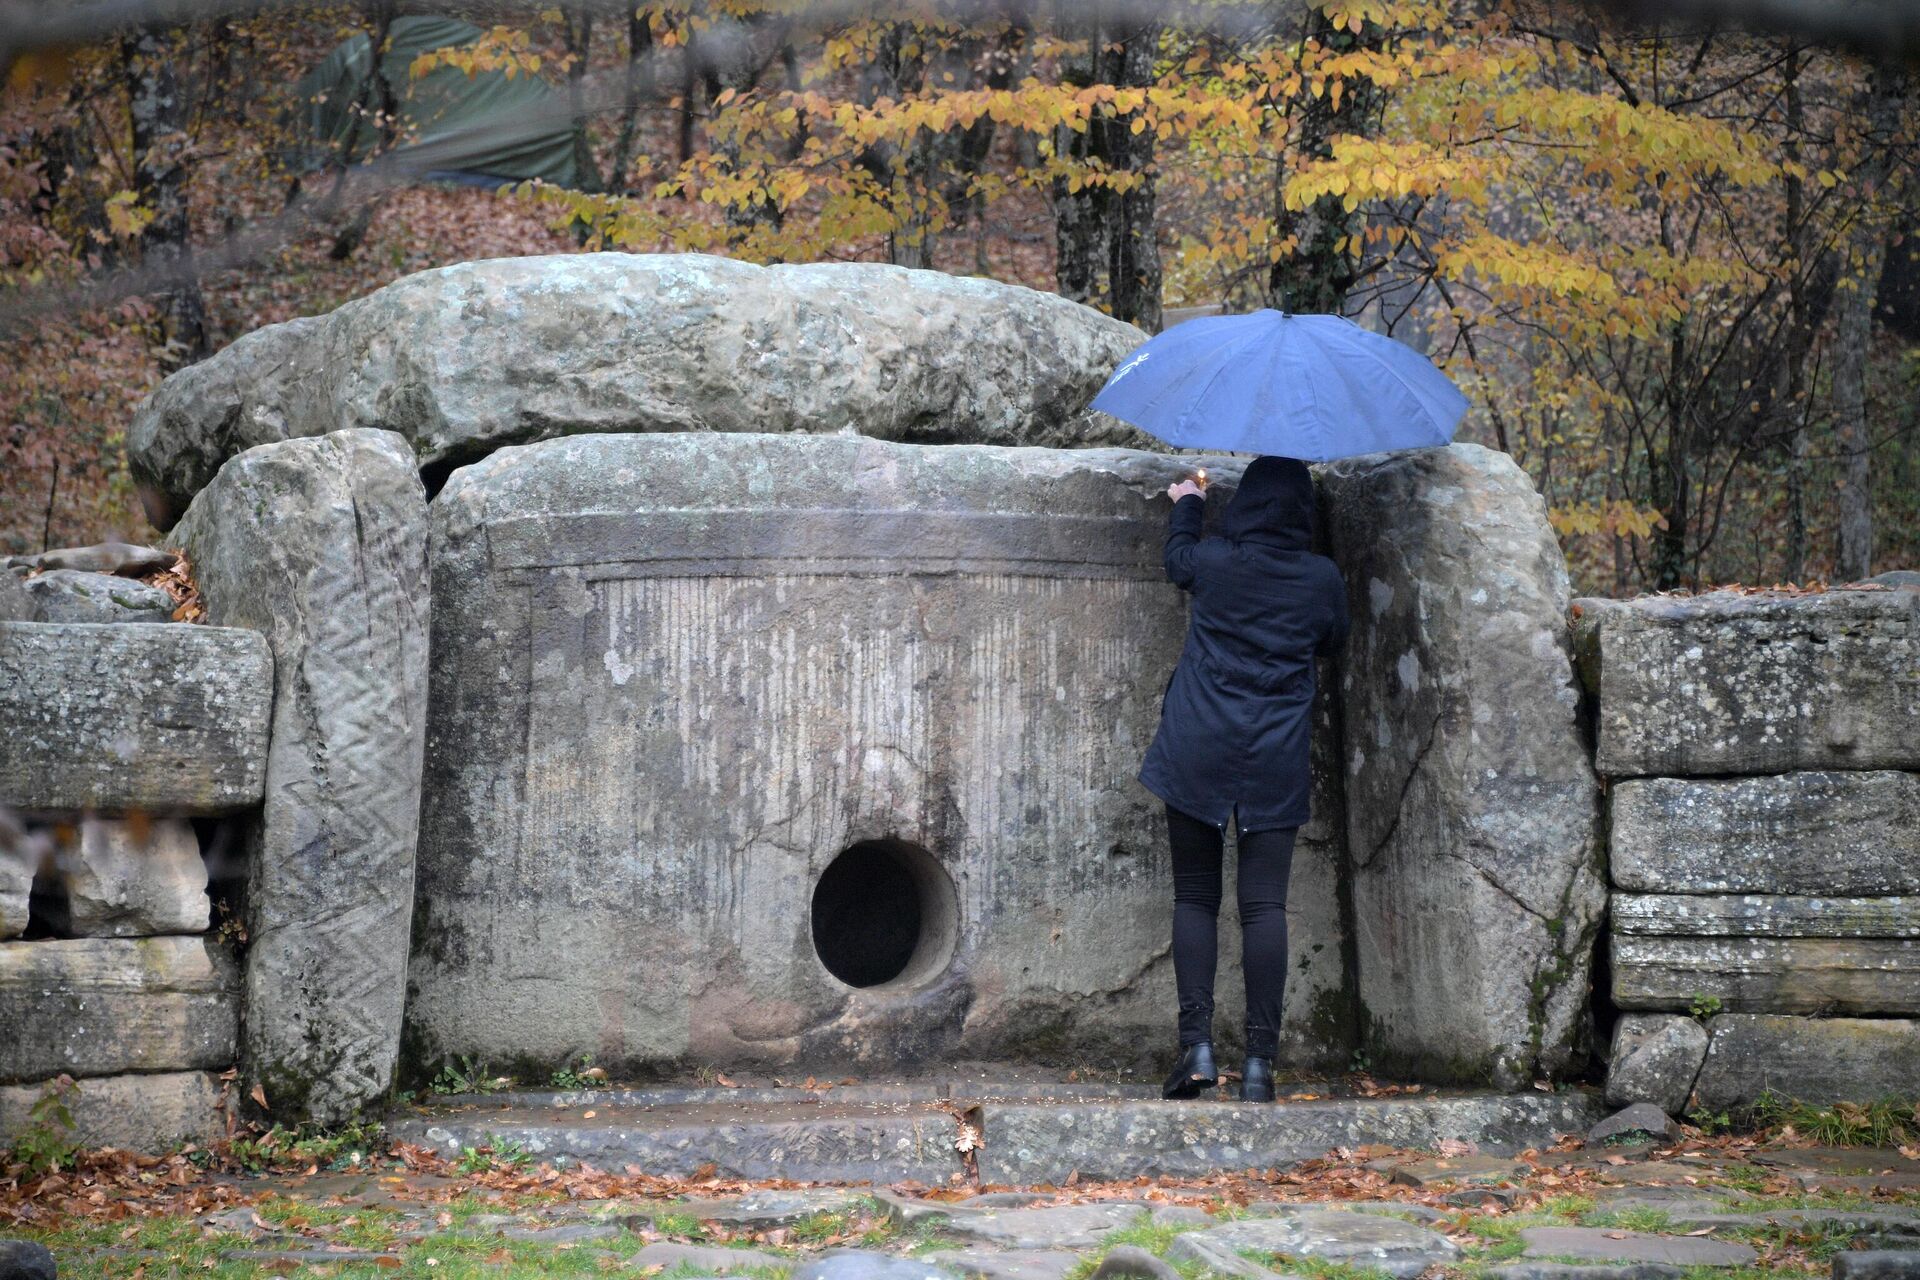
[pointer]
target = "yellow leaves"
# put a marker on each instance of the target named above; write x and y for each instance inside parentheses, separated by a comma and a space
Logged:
(503, 49)
(126, 216)
(1613, 517)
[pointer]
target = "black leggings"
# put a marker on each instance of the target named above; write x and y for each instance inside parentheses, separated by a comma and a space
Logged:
(1266, 859)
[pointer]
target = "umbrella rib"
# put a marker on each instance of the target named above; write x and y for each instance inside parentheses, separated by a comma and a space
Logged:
(1217, 373)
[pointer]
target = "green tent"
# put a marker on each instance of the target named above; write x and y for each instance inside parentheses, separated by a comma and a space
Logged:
(485, 127)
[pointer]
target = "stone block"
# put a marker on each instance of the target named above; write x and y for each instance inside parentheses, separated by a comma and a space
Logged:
(147, 1113)
(676, 678)
(16, 603)
(466, 358)
(111, 719)
(320, 544)
(122, 878)
(122, 559)
(1731, 682)
(20, 857)
(1876, 1264)
(1764, 916)
(1654, 1058)
(71, 595)
(1816, 1060)
(1791, 833)
(104, 1006)
(1768, 975)
(1472, 807)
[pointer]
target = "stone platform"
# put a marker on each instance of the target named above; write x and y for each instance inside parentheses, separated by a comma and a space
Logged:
(1027, 1135)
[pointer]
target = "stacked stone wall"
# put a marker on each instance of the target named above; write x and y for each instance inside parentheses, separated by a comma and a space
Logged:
(120, 747)
(1762, 752)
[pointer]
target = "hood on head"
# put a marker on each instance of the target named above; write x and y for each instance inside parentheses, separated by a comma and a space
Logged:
(1274, 504)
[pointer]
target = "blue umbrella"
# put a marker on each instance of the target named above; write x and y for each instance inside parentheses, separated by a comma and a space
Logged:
(1302, 386)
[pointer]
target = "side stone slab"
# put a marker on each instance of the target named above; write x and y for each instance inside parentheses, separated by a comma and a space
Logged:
(1814, 832)
(1768, 975)
(1472, 808)
(321, 545)
(1728, 683)
(159, 719)
(99, 1006)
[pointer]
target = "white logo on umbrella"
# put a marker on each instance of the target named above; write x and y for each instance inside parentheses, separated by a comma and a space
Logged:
(1127, 368)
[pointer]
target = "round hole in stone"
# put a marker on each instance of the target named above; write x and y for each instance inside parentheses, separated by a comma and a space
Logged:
(884, 914)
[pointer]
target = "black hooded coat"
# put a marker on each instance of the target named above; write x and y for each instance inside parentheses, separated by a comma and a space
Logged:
(1237, 716)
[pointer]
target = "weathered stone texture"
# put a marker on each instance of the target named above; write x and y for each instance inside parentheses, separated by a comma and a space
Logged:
(1695, 915)
(132, 879)
(1472, 809)
(1817, 1060)
(1655, 1058)
(16, 602)
(1768, 975)
(1734, 683)
(19, 857)
(150, 1113)
(466, 358)
(321, 545)
(70, 595)
(1790, 833)
(675, 677)
(99, 1006)
(112, 719)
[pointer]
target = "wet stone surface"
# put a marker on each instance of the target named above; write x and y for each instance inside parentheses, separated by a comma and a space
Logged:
(1611, 1245)
(1400, 1249)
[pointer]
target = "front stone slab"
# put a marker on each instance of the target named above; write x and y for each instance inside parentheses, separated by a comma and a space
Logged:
(1730, 682)
(1816, 1060)
(100, 1007)
(321, 545)
(771, 748)
(160, 719)
(1472, 809)
(1791, 833)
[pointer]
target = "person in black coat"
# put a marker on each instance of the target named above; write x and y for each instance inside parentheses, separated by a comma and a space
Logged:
(1232, 745)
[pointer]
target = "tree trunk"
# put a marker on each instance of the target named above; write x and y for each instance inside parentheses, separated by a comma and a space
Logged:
(160, 147)
(578, 25)
(1853, 337)
(638, 88)
(1316, 274)
(376, 101)
(1799, 337)
(1079, 217)
(1133, 264)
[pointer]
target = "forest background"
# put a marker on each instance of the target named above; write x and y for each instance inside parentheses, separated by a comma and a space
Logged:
(1673, 262)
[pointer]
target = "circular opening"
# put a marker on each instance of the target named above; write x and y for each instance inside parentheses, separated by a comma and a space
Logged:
(884, 912)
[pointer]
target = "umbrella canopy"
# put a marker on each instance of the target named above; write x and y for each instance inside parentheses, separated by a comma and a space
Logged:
(1302, 386)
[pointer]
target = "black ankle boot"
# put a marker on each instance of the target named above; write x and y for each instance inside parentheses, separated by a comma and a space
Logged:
(1192, 1073)
(1256, 1084)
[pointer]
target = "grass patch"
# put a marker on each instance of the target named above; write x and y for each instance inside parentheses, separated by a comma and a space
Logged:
(1566, 1207)
(1888, 1122)
(1640, 1219)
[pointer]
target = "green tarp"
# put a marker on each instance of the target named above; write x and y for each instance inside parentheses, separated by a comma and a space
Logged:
(498, 128)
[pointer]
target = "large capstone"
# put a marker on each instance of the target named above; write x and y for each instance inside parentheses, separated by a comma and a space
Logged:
(110, 719)
(321, 545)
(465, 358)
(1730, 682)
(1472, 809)
(768, 748)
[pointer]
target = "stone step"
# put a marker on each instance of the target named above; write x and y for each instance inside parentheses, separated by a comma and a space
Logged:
(1033, 1141)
